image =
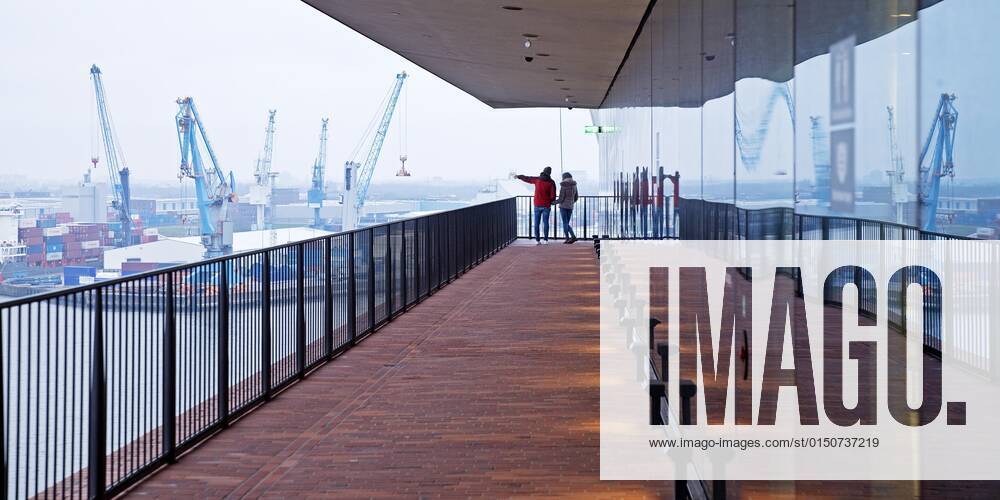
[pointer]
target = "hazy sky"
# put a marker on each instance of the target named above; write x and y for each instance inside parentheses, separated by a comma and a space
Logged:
(238, 59)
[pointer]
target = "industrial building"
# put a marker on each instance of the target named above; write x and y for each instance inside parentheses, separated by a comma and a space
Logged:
(190, 249)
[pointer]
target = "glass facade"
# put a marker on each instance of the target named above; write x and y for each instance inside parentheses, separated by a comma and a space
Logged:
(844, 108)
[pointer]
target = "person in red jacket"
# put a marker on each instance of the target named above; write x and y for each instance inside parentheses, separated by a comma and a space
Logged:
(545, 196)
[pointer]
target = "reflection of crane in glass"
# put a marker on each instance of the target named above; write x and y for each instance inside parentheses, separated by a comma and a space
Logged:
(358, 176)
(262, 192)
(214, 191)
(821, 158)
(896, 173)
(317, 191)
(941, 161)
(115, 159)
(750, 144)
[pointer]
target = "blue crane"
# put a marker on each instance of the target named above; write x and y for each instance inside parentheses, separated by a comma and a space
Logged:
(750, 145)
(115, 159)
(214, 191)
(317, 193)
(941, 161)
(364, 171)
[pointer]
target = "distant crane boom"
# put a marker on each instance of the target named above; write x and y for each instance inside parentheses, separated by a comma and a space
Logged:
(115, 159)
(364, 171)
(214, 191)
(940, 163)
(317, 191)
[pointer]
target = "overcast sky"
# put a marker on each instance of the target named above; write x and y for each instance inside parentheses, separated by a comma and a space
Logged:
(238, 59)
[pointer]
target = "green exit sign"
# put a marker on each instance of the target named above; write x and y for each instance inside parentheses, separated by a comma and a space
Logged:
(598, 129)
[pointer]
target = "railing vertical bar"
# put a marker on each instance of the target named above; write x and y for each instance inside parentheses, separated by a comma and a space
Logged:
(328, 297)
(300, 310)
(390, 281)
(223, 344)
(371, 280)
(265, 329)
(405, 263)
(352, 307)
(169, 370)
(96, 466)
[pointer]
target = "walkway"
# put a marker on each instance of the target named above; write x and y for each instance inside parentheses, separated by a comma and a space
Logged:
(487, 388)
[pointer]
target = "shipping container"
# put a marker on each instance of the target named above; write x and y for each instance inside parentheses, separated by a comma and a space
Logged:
(34, 241)
(90, 245)
(49, 240)
(53, 256)
(53, 248)
(30, 232)
(28, 222)
(72, 274)
(36, 249)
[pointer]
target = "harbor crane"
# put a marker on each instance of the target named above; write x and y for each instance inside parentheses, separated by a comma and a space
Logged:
(358, 176)
(940, 163)
(214, 191)
(261, 193)
(317, 192)
(114, 157)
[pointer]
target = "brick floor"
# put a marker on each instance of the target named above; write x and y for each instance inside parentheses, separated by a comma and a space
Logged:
(488, 388)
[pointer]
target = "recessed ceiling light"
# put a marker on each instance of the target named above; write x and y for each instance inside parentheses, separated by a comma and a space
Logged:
(558, 80)
(552, 69)
(511, 7)
(529, 35)
(395, 13)
(542, 54)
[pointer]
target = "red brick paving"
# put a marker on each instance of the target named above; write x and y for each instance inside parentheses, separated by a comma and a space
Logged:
(488, 388)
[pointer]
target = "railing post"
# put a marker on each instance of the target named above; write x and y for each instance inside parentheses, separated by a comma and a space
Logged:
(404, 263)
(300, 310)
(3, 435)
(97, 465)
(371, 278)
(223, 345)
(390, 281)
(169, 373)
(663, 349)
(825, 228)
(352, 290)
(656, 392)
(416, 260)
(265, 329)
(328, 298)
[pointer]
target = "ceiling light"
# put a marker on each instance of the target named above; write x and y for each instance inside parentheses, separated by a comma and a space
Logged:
(552, 69)
(558, 80)
(529, 35)
(511, 7)
(542, 54)
(564, 88)
(527, 43)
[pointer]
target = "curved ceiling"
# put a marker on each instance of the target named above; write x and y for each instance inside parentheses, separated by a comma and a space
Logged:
(579, 46)
(478, 45)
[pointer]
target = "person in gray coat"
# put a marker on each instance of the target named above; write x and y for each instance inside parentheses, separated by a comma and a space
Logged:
(567, 198)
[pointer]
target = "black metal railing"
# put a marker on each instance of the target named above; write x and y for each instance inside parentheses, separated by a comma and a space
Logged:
(105, 383)
(609, 217)
(704, 220)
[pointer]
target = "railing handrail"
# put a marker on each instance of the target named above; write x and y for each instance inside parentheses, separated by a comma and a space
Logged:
(846, 218)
